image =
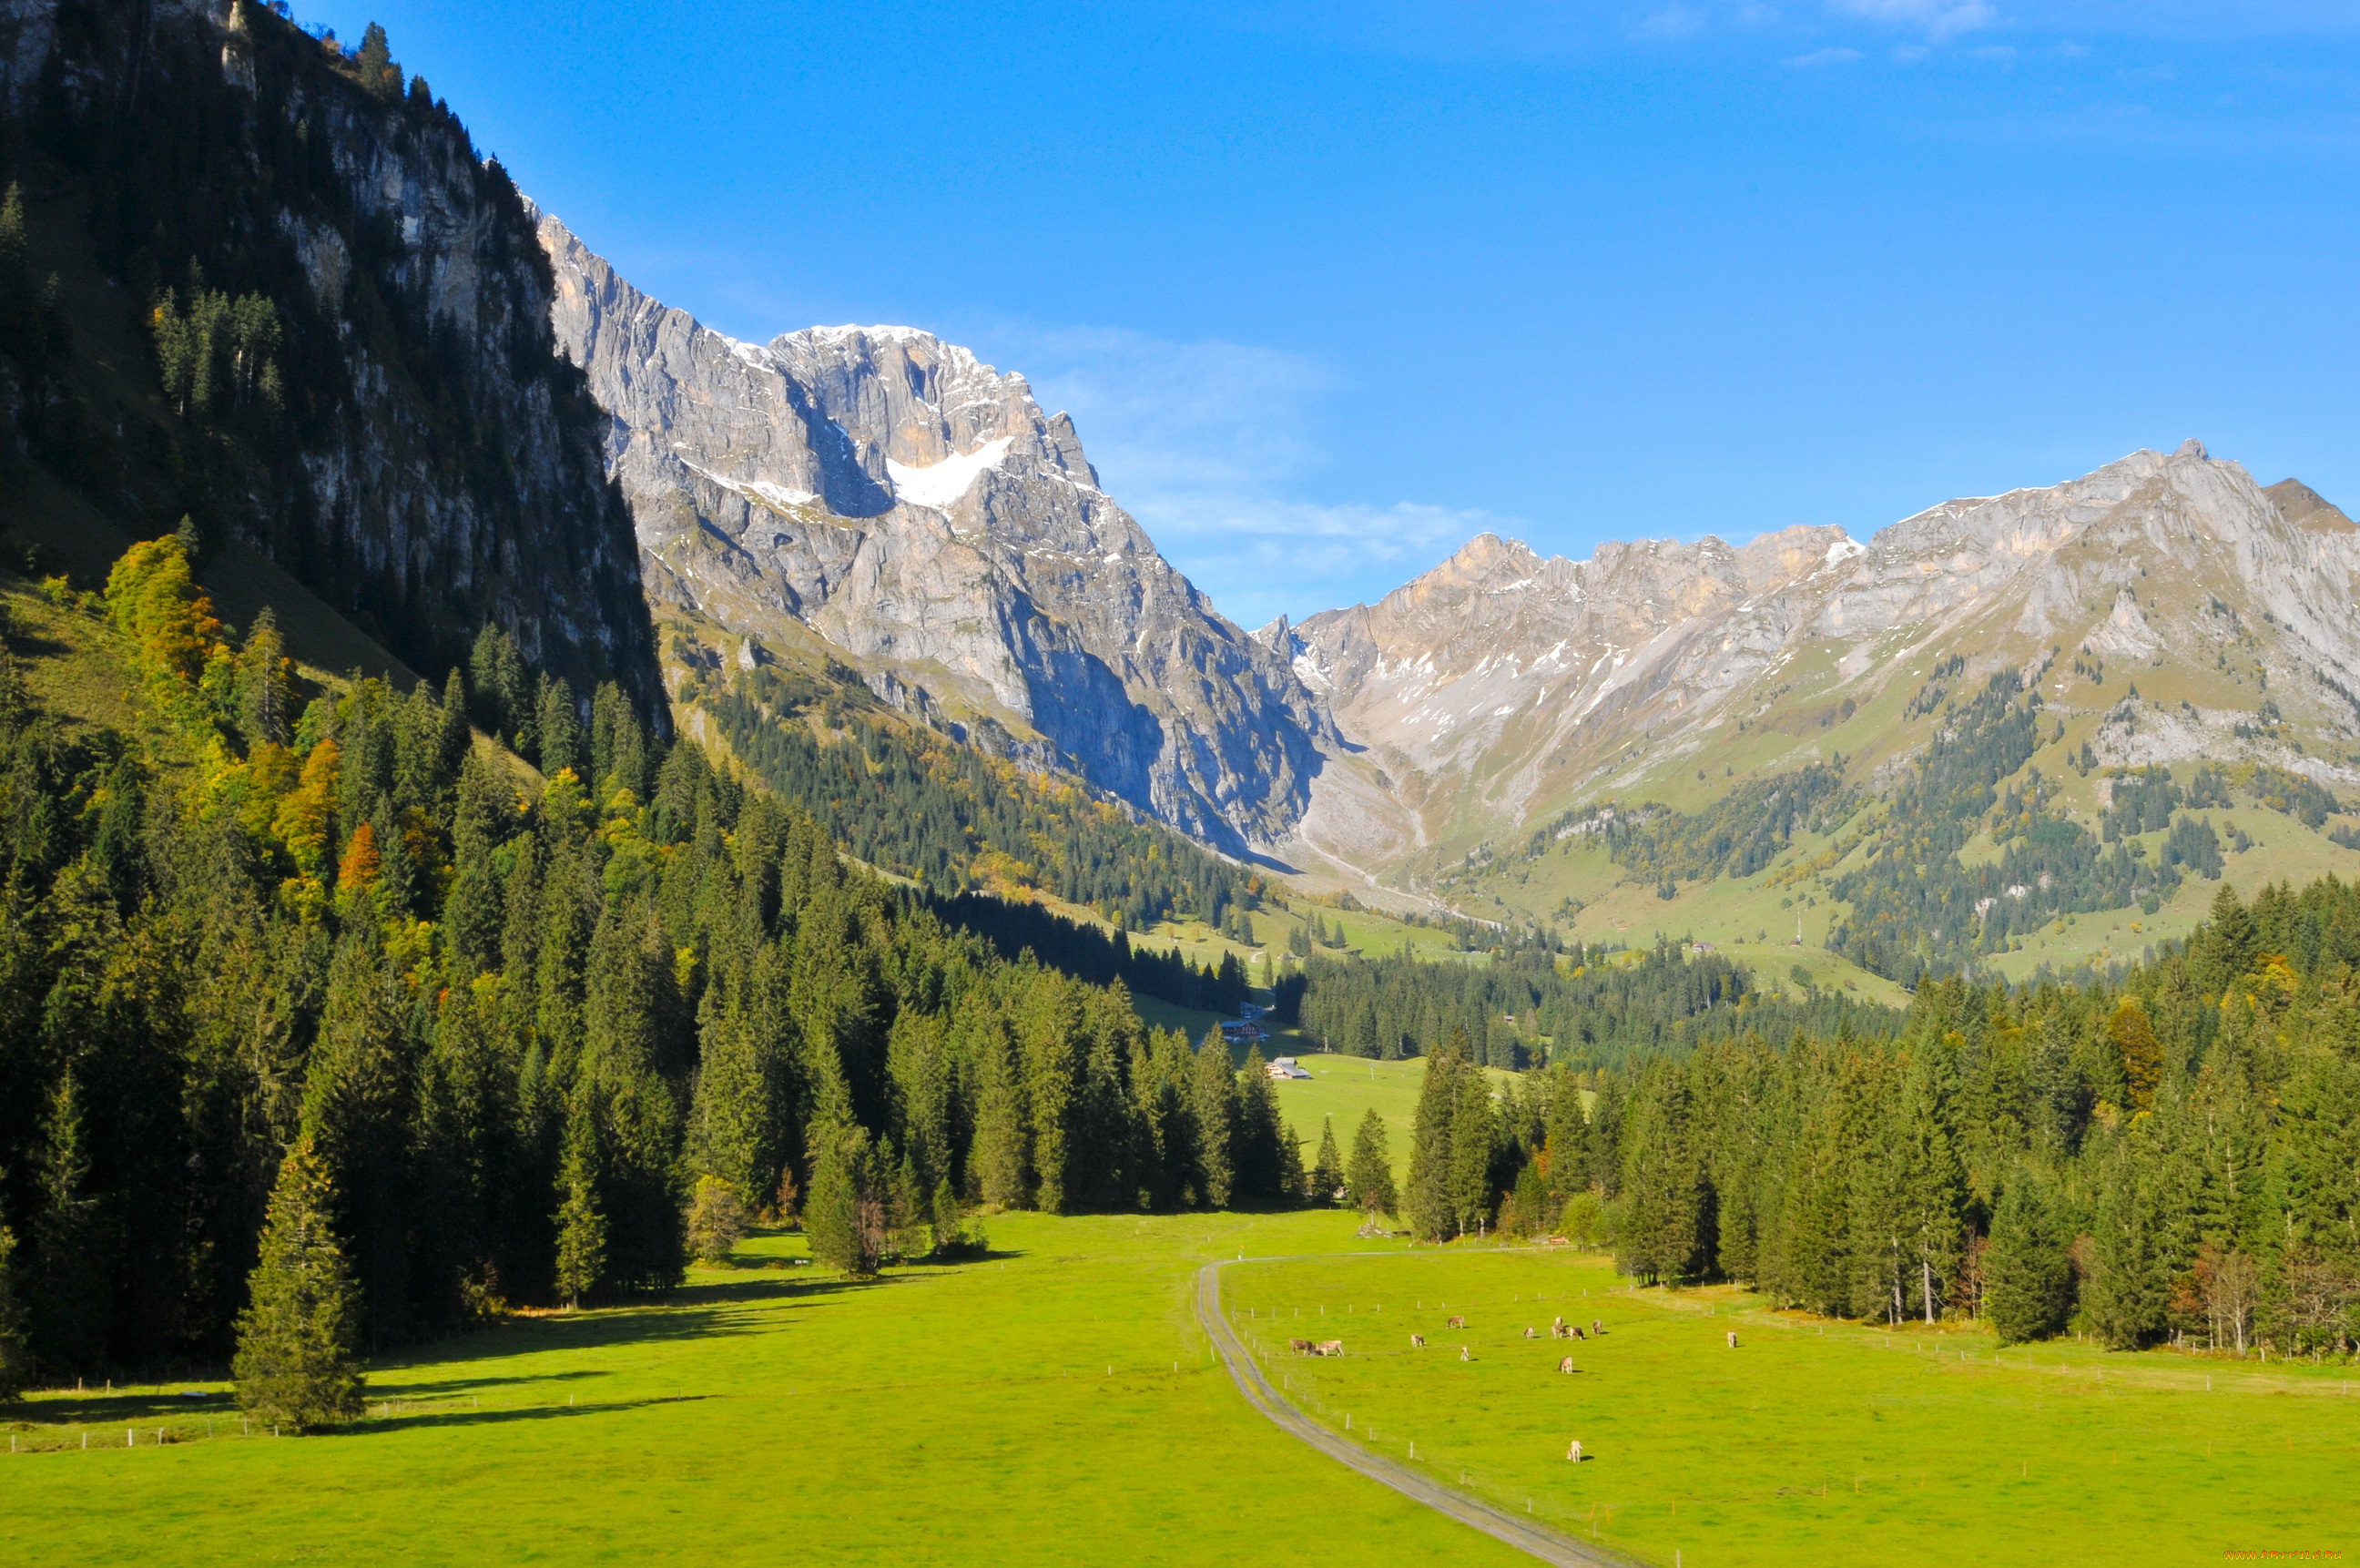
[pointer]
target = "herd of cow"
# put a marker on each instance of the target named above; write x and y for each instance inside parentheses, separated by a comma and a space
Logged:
(1560, 1329)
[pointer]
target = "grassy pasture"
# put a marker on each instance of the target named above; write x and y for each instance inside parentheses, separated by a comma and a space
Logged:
(1820, 1443)
(767, 1413)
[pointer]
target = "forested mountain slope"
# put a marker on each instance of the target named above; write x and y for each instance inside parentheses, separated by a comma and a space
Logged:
(514, 1015)
(264, 283)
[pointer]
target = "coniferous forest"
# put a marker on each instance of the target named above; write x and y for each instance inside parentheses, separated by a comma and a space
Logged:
(2175, 1157)
(509, 1019)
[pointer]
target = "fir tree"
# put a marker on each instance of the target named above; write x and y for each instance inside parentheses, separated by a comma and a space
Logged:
(1213, 1102)
(1432, 1213)
(16, 1348)
(844, 1214)
(2027, 1279)
(581, 1222)
(1369, 1178)
(294, 1366)
(1328, 1167)
(717, 1221)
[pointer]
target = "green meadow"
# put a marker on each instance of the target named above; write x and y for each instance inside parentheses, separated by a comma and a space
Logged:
(1056, 1403)
(1813, 1441)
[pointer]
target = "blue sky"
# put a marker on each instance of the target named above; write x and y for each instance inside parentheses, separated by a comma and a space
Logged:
(1330, 287)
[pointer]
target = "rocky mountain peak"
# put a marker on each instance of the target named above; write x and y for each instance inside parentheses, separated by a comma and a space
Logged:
(889, 496)
(1501, 683)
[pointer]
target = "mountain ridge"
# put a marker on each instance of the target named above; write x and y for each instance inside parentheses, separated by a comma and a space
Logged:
(919, 512)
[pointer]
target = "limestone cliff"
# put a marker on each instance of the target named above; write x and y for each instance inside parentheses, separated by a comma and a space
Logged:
(885, 491)
(419, 455)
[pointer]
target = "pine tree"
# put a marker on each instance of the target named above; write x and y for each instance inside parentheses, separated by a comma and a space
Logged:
(1433, 1215)
(294, 1366)
(1327, 1167)
(717, 1221)
(264, 694)
(580, 1222)
(2027, 1279)
(70, 1295)
(1655, 1239)
(1213, 1102)
(2142, 1055)
(1369, 1178)
(16, 1349)
(1474, 1146)
(844, 1214)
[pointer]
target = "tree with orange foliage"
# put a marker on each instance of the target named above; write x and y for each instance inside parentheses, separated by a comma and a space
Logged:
(2134, 1038)
(358, 867)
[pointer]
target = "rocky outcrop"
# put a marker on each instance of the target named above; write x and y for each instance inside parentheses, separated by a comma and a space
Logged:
(915, 509)
(429, 462)
(1502, 683)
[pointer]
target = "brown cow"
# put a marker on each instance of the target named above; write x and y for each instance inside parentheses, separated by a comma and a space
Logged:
(1573, 1331)
(1299, 1346)
(1330, 1347)
(1566, 1365)
(1454, 1322)
(1530, 1333)
(1417, 1342)
(1596, 1328)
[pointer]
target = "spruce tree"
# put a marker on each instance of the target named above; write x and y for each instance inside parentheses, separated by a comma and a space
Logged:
(1369, 1178)
(844, 1215)
(1432, 1212)
(294, 1364)
(1213, 1099)
(16, 1350)
(581, 1222)
(1474, 1144)
(1328, 1167)
(717, 1221)
(2027, 1277)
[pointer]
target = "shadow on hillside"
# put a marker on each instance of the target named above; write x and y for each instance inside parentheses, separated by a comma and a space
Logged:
(122, 1409)
(409, 1419)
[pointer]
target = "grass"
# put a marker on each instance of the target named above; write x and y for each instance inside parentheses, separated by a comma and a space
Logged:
(775, 1411)
(1056, 1403)
(1813, 1442)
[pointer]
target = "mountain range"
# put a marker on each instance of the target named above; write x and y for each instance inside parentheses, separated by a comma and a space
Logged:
(882, 497)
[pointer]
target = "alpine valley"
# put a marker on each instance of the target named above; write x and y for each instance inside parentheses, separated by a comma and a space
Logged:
(1497, 737)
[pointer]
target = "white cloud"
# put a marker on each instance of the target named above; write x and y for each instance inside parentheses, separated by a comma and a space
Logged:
(1938, 19)
(1673, 21)
(1213, 446)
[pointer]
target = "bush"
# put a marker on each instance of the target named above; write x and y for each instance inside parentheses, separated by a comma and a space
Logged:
(1584, 1222)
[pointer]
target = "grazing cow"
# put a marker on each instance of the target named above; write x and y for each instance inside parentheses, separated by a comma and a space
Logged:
(1454, 1322)
(1574, 1331)
(1573, 1451)
(1566, 1365)
(1299, 1346)
(1417, 1342)
(1463, 1355)
(1732, 1339)
(1530, 1333)
(1597, 1329)
(1330, 1347)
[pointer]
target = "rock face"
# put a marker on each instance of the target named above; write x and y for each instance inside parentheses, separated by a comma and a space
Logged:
(917, 510)
(1501, 684)
(432, 464)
